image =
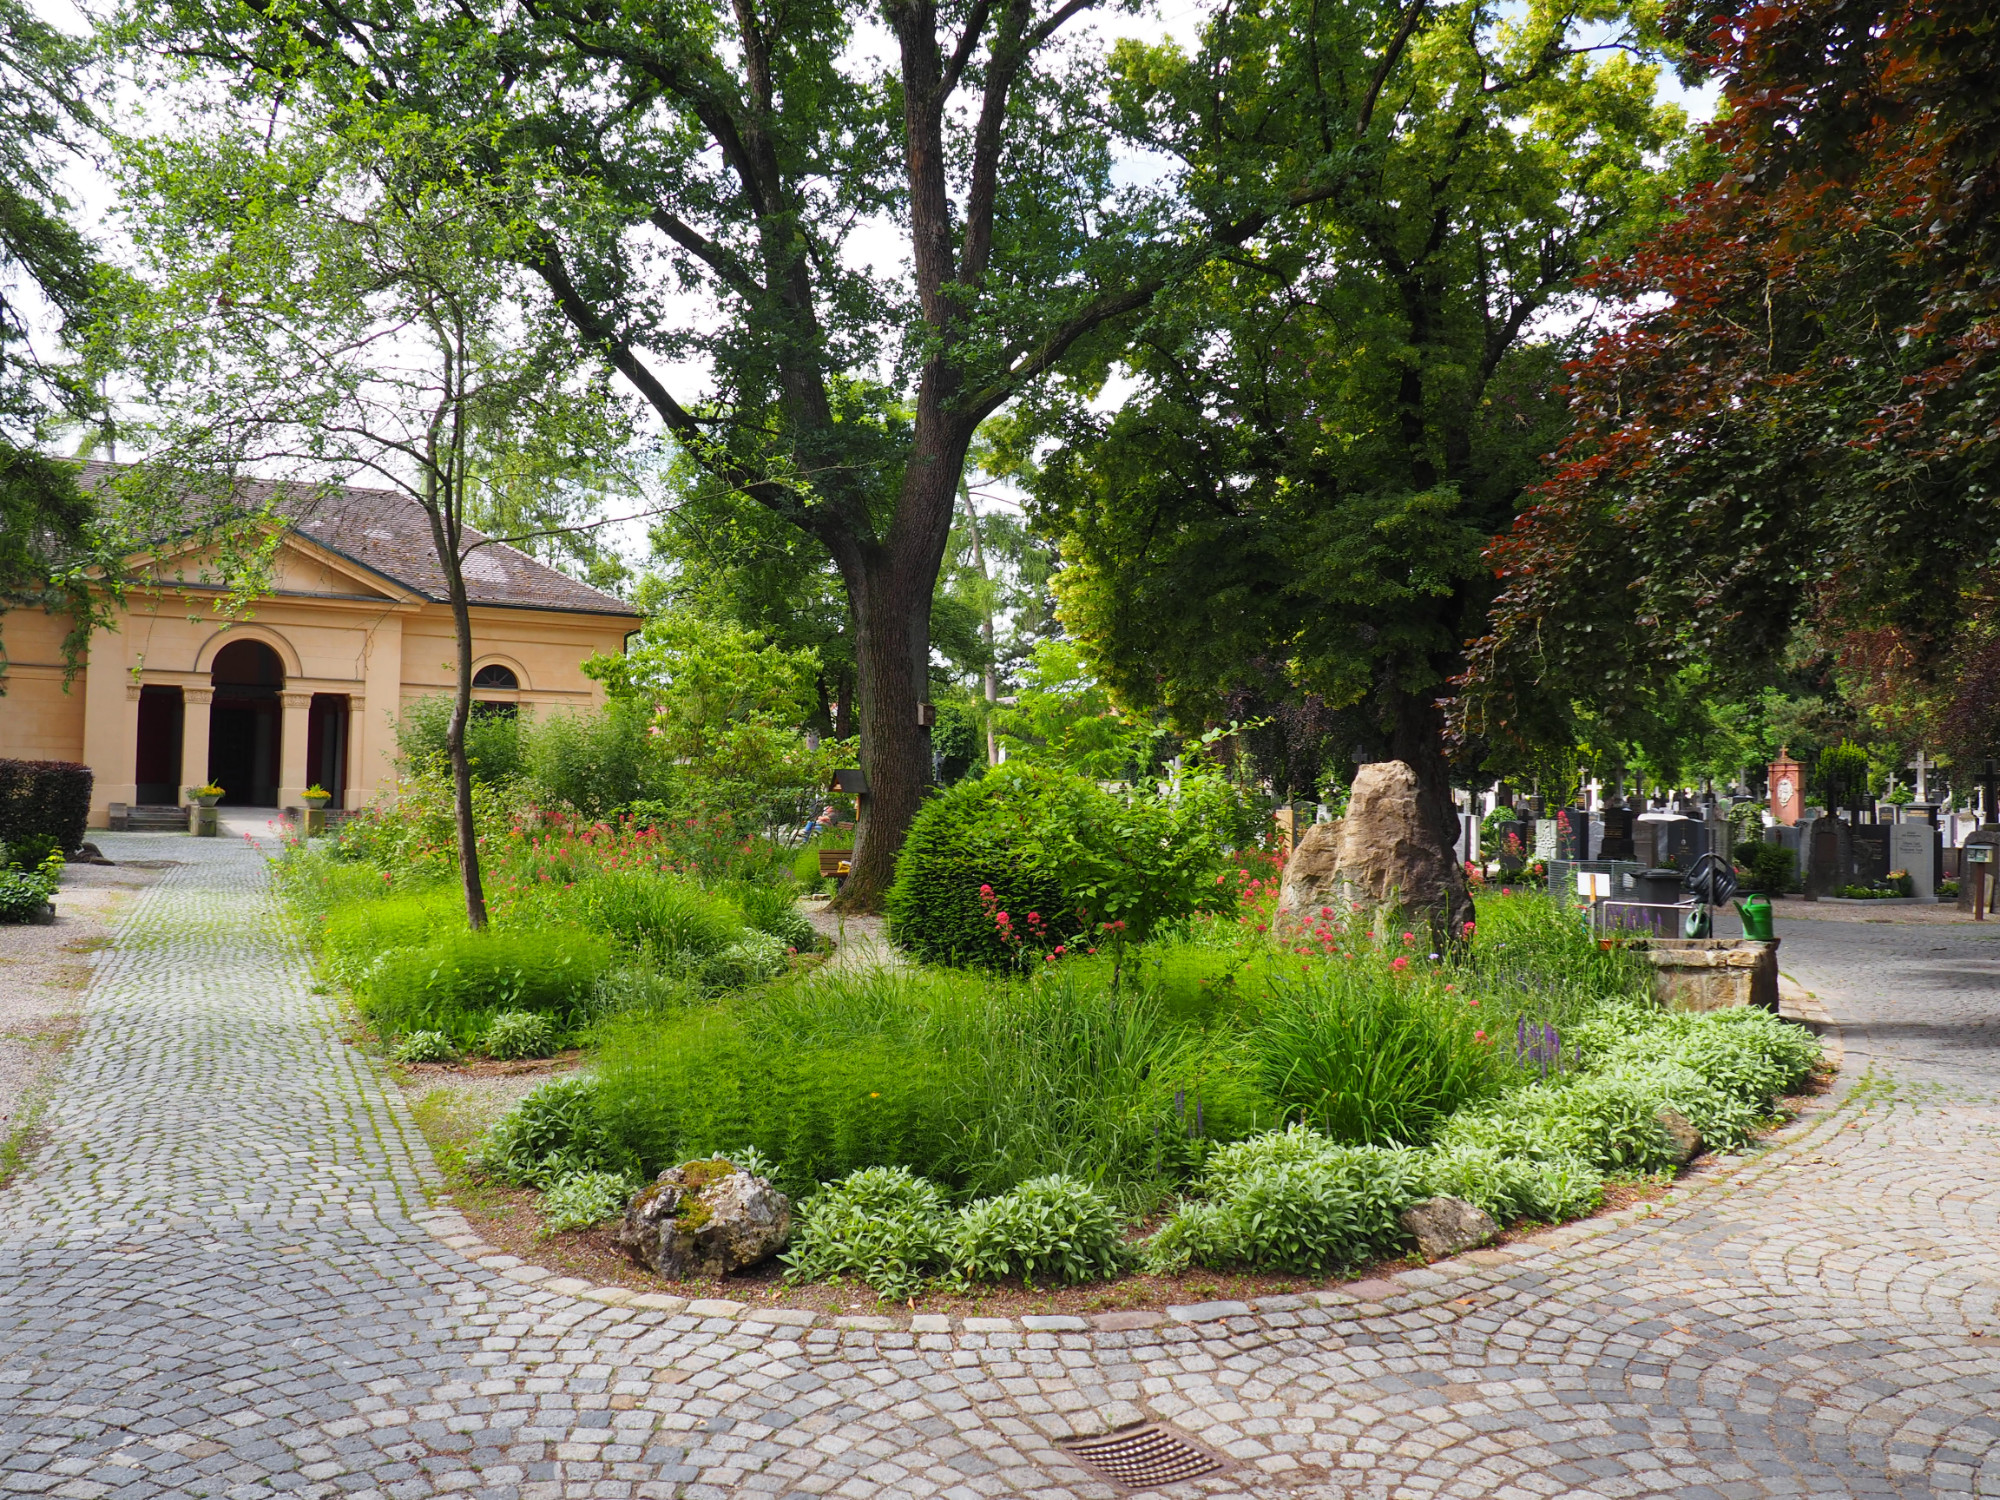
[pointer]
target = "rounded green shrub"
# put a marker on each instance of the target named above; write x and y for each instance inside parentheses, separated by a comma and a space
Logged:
(553, 1133)
(519, 1033)
(424, 1047)
(884, 1226)
(1047, 1228)
(583, 1199)
(977, 834)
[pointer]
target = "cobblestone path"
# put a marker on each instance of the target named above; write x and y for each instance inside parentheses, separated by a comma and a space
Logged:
(218, 1280)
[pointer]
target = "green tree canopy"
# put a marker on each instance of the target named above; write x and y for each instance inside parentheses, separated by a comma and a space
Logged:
(1330, 424)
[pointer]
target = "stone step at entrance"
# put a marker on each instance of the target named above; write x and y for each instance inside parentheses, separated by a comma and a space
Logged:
(132, 819)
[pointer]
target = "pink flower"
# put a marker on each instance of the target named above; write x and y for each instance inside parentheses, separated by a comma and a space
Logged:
(1326, 911)
(1448, 989)
(1260, 926)
(1034, 916)
(986, 890)
(1409, 937)
(1401, 963)
(1473, 1002)
(1479, 1036)
(1468, 928)
(1059, 948)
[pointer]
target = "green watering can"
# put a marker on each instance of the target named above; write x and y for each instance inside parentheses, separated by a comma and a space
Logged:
(1755, 910)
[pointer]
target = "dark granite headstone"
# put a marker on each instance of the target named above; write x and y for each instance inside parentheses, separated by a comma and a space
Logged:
(1572, 833)
(1618, 824)
(1679, 842)
(1868, 854)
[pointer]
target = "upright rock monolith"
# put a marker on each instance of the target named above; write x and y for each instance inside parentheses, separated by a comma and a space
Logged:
(1383, 858)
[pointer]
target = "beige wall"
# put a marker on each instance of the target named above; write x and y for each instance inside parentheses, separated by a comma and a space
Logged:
(336, 631)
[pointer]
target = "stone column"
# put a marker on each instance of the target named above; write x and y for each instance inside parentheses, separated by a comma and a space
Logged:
(110, 724)
(354, 795)
(292, 750)
(195, 706)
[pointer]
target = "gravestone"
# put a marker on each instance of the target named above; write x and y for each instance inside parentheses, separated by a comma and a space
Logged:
(1513, 841)
(1545, 838)
(1824, 841)
(1679, 842)
(1915, 846)
(1786, 836)
(1468, 838)
(1868, 853)
(1572, 833)
(1617, 842)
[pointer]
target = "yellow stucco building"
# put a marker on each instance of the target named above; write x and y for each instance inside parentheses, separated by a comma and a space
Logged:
(306, 688)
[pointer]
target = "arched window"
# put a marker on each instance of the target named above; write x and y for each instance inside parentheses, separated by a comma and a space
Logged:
(494, 675)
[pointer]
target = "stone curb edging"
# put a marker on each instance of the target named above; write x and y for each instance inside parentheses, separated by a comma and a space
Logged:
(1403, 1292)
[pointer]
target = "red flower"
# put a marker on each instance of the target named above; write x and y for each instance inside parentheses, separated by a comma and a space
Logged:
(1401, 963)
(1479, 1036)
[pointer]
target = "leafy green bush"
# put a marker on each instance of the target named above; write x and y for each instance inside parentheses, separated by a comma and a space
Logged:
(1511, 1188)
(773, 909)
(1770, 868)
(424, 1047)
(1047, 1227)
(583, 1199)
(553, 1133)
(758, 957)
(25, 894)
(457, 983)
(1055, 852)
(495, 744)
(1293, 1200)
(30, 851)
(518, 1033)
(660, 915)
(596, 763)
(881, 1225)
(1366, 1054)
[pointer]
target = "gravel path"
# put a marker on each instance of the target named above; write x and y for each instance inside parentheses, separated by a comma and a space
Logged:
(222, 1279)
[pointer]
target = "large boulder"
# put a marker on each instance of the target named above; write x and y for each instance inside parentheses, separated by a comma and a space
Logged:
(1447, 1226)
(704, 1219)
(1384, 859)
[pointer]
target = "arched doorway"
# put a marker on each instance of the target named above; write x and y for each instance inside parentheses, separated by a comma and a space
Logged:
(246, 724)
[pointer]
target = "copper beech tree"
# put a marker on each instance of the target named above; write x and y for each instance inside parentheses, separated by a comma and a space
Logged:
(1798, 422)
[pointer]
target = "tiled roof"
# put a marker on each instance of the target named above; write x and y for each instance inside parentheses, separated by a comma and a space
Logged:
(388, 533)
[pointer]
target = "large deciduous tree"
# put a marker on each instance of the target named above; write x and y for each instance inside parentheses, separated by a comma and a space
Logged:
(710, 176)
(1334, 419)
(1797, 422)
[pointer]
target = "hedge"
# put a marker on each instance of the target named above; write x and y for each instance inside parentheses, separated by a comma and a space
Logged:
(46, 797)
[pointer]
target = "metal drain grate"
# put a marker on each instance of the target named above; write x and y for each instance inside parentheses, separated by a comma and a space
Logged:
(1143, 1458)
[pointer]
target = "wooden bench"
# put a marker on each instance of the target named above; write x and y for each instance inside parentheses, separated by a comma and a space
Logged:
(831, 860)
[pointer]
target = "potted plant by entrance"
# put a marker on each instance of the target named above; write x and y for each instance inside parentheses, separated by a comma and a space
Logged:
(204, 799)
(315, 798)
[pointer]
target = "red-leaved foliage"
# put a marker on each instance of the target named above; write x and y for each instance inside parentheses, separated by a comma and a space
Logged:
(1798, 416)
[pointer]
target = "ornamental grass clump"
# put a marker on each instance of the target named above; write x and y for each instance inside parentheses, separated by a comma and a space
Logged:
(1368, 1053)
(661, 915)
(884, 1226)
(458, 982)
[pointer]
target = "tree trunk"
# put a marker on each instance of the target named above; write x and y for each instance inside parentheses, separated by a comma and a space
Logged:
(889, 590)
(1416, 737)
(891, 649)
